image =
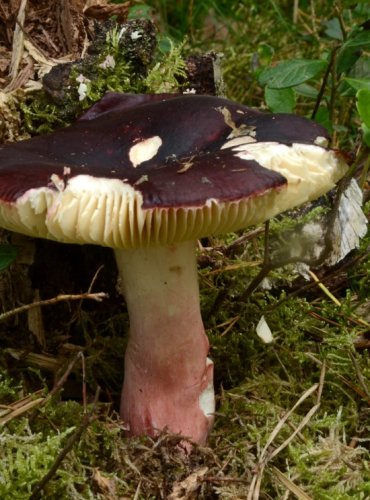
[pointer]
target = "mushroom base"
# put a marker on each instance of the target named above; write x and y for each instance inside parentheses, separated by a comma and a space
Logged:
(168, 383)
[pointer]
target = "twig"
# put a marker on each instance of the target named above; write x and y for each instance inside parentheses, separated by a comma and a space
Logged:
(288, 483)
(229, 250)
(321, 382)
(98, 297)
(95, 278)
(279, 426)
(17, 410)
(137, 492)
(216, 479)
(74, 438)
(59, 384)
(84, 394)
(323, 288)
(338, 13)
(324, 81)
(266, 455)
(231, 324)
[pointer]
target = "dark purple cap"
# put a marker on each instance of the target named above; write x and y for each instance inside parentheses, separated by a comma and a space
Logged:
(156, 169)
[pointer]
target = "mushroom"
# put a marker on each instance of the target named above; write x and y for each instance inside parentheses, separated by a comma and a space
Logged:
(147, 175)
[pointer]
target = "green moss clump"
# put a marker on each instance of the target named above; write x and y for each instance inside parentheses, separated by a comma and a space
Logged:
(164, 77)
(25, 457)
(41, 116)
(8, 387)
(123, 58)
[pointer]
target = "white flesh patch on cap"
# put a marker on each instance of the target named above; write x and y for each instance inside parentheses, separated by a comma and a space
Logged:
(310, 170)
(144, 150)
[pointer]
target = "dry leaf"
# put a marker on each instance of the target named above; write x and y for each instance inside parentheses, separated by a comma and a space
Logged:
(18, 41)
(187, 488)
(105, 484)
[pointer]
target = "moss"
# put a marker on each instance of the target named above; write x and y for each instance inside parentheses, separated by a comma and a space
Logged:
(8, 387)
(166, 74)
(331, 467)
(123, 58)
(25, 457)
(40, 115)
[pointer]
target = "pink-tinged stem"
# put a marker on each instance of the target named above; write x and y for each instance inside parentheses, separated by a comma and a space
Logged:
(168, 380)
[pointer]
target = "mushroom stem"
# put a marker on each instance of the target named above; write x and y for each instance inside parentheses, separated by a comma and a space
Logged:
(168, 380)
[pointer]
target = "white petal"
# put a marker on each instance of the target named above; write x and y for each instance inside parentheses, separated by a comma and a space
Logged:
(263, 331)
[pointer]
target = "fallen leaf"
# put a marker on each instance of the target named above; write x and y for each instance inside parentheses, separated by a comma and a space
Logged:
(187, 488)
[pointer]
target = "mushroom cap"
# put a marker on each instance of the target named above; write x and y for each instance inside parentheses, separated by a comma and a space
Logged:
(142, 170)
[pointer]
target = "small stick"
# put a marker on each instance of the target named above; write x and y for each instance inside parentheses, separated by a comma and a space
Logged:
(216, 479)
(19, 411)
(324, 289)
(98, 297)
(266, 455)
(95, 278)
(73, 438)
(324, 81)
(84, 393)
(288, 483)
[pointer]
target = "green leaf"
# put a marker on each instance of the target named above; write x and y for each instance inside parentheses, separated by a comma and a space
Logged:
(280, 100)
(165, 44)
(361, 68)
(323, 117)
(291, 73)
(358, 83)
(333, 29)
(352, 50)
(7, 255)
(140, 12)
(264, 54)
(363, 106)
(306, 90)
(366, 134)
